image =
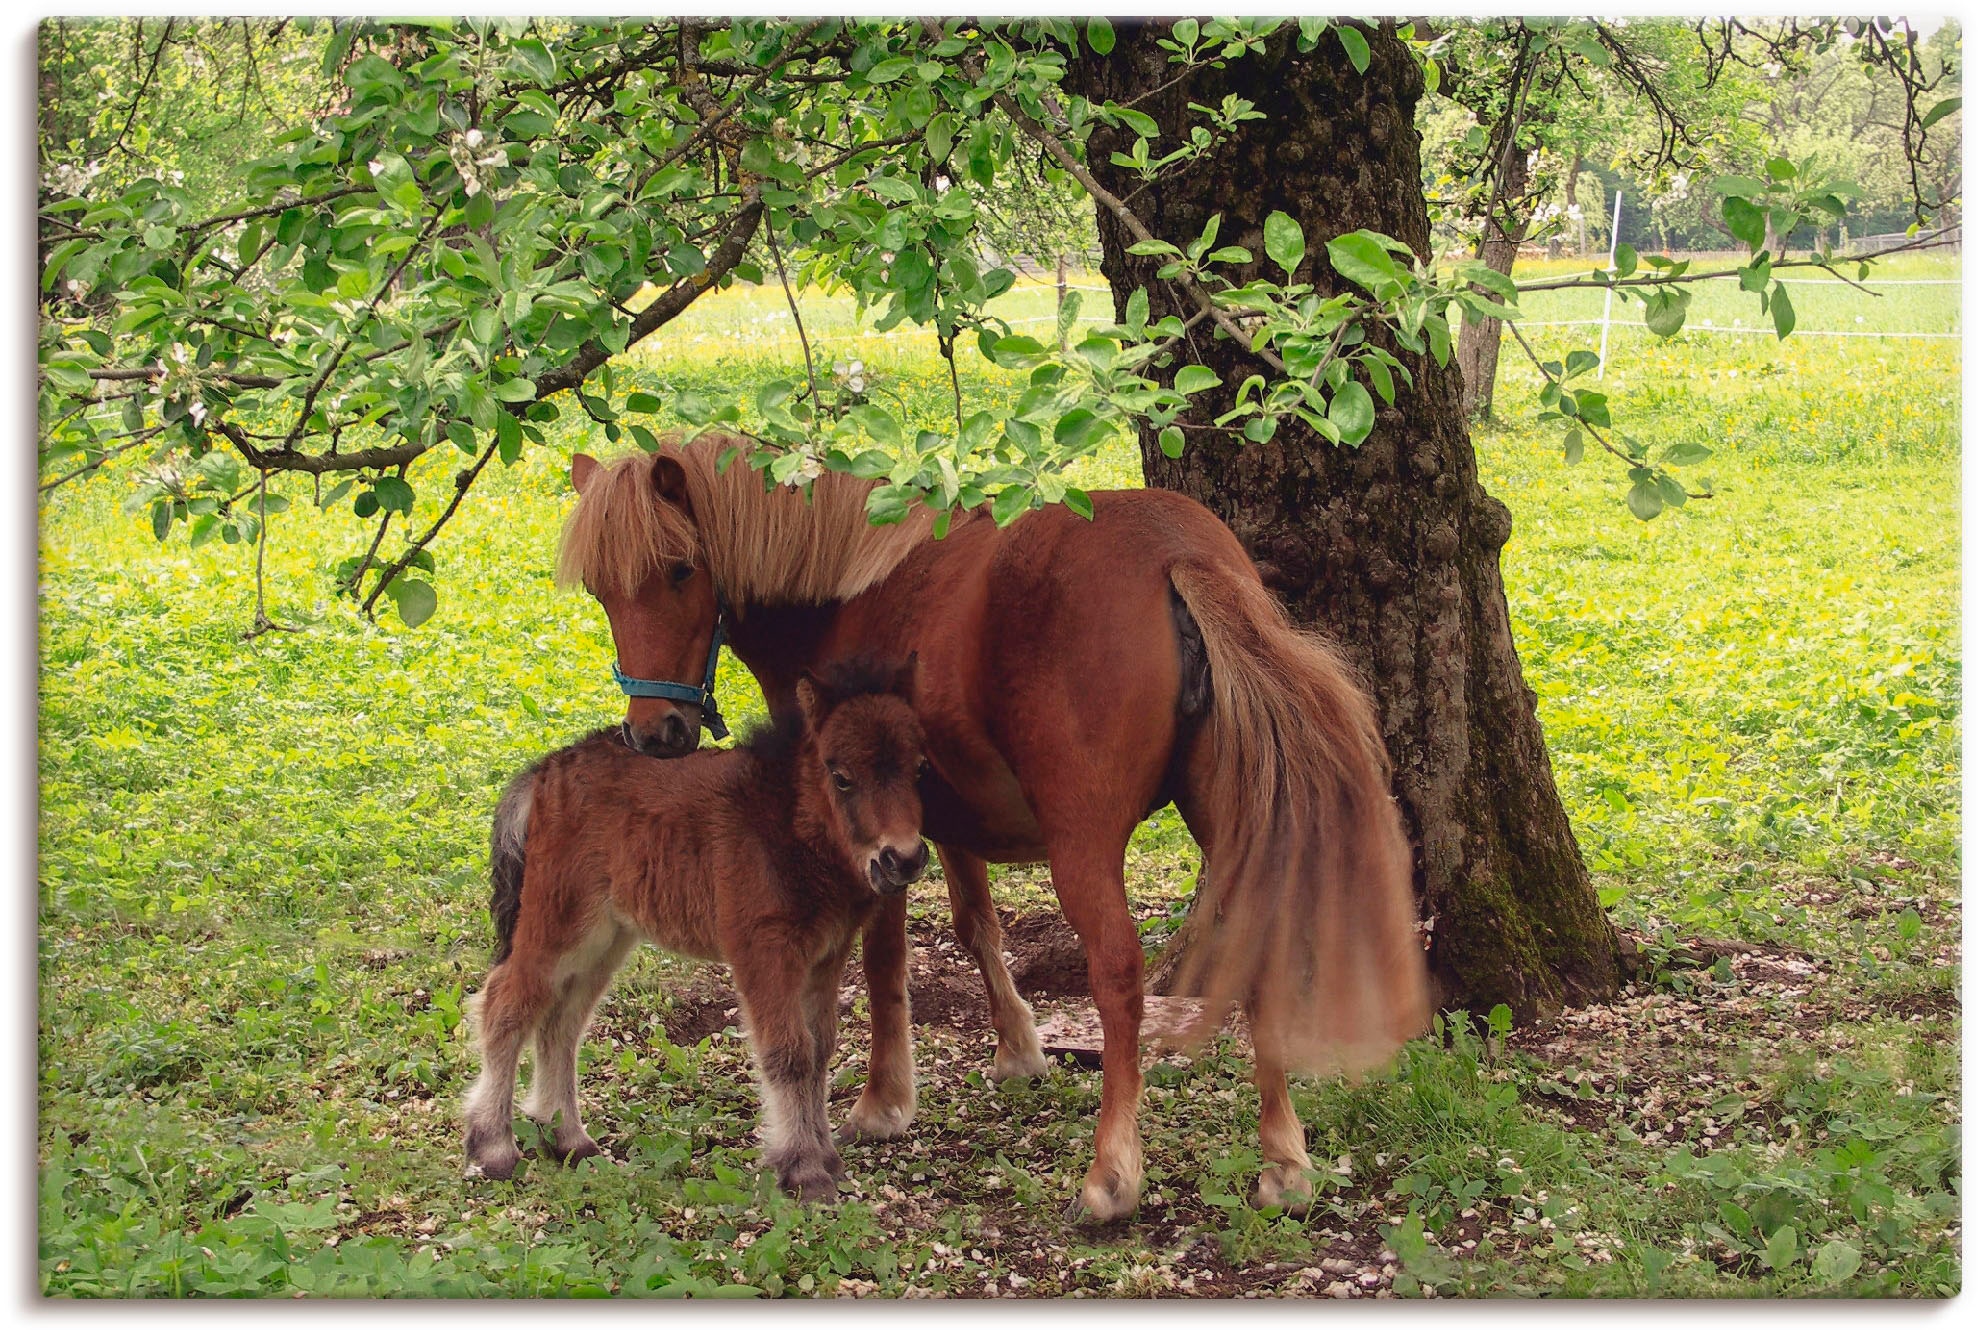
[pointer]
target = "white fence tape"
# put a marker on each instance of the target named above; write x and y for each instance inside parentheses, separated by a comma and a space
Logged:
(1734, 332)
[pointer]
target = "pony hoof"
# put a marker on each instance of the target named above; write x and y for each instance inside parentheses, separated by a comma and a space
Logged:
(1284, 1187)
(489, 1156)
(1012, 1064)
(868, 1123)
(494, 1167)
(811, 1185)
(1097, 1204)
(582, 1150)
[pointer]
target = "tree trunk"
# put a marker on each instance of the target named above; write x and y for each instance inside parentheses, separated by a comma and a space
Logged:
(1391, 547)
(1477, 344)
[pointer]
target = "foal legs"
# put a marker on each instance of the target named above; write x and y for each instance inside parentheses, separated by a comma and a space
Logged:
(772, 981)
(506, 1012)
(586, 973)
(821, 1012)
(886, 1106)
(981, 935)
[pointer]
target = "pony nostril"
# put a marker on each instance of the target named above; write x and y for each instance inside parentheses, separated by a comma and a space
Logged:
(889, 862)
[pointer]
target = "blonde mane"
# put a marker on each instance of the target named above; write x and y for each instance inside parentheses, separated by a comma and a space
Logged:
(761, 545)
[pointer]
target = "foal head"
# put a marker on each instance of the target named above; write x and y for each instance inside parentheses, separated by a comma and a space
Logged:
(864, 746)
(633, 544)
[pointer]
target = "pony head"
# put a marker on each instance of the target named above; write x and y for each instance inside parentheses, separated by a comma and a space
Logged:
(864, 745)
(633, 544)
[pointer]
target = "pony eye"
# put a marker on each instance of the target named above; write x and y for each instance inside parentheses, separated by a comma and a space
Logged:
(841, 780)
(920, 770)
(680, 572)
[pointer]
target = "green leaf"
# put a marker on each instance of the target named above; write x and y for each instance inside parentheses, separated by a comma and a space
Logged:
(1356, 47)
(1946, 107)
(1783, 318)
(1665, 311)
(646, 402)
(1685, 454)
(1078, 501)
(1625, 260)
(1782, 1248)
(1836, 1261)
(393, 495)
(161, 518)
(1746, 221)
(1099, 36)
(1171, 441)
(1575, 446)
(516, 390)
(1741, 185)
(416, 601)
(1351, 409)
(1192, 379)
(1645, 498)
(1359, 257)
(888, 70)
(1284, 241)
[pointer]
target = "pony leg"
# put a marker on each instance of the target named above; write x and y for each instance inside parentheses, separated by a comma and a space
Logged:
(981, 935)
(1090, 878)
(821, 1013)
(796, 1132)
(1284, 1181)
(886, 1106)
(552, 1097)
(505, 1013)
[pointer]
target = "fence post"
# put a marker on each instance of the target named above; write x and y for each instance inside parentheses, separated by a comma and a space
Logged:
(1607, 314)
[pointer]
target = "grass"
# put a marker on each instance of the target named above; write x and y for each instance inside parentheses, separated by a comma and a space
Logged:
(262, 903)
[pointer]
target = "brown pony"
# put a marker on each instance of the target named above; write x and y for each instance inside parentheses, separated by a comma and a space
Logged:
(770, 856)
(1075, 675)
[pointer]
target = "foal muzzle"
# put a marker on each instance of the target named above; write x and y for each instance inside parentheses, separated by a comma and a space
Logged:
(891, 872)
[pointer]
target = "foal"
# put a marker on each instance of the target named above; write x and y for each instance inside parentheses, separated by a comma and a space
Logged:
(769, 856)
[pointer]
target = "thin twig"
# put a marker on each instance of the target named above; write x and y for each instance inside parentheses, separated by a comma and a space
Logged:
(462, 482)
(810, 366)
(262, 623)
(144, 437)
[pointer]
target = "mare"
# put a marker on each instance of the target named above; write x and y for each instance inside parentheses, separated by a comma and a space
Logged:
(1075, 675)
(770, 856)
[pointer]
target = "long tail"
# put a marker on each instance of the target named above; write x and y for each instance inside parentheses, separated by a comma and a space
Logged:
(1306, 911)
(507, 856)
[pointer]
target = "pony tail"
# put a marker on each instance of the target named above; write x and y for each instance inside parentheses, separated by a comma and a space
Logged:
(1305, 911)
(507, 857)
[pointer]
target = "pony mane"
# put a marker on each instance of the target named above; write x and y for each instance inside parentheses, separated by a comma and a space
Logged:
(763, 545)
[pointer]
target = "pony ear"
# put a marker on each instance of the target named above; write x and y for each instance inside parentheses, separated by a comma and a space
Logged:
(669, 479)
(810, 701)
(582, 467)
(905, 677)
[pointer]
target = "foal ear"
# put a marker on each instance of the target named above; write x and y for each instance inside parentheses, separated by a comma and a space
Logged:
(810, 701)
(906, 675)
(669, 479)
(582, 468)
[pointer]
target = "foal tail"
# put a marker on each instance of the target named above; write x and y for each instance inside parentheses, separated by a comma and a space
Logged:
(507, 855)
(1305, 909)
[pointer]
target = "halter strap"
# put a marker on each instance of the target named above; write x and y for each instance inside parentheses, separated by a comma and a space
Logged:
(703, 695)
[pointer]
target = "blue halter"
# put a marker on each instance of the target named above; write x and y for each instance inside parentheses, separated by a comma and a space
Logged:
(701, 696)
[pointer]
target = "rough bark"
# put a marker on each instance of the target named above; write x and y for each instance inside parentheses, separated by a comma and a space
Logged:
(1477, 344)
(1391, 547)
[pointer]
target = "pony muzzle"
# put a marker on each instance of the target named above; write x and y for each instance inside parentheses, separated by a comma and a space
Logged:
(892, 872)
(675, 732)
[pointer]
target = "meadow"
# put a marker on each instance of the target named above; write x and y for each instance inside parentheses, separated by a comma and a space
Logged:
(263, 891)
